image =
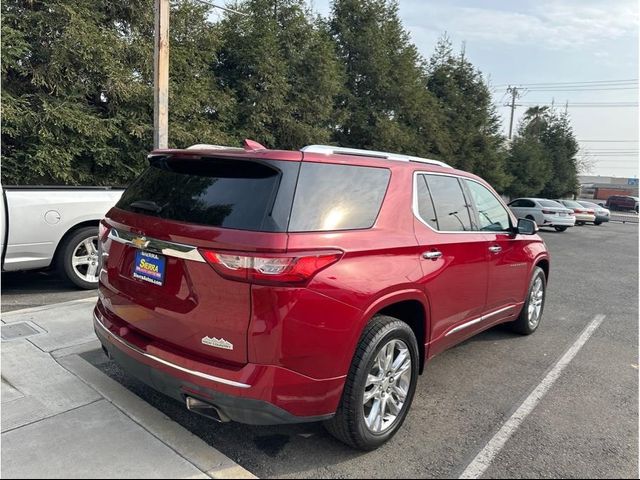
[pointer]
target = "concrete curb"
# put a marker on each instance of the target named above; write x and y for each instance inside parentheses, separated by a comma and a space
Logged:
(184, 443)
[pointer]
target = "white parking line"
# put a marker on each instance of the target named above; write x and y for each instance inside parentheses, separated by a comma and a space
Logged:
(483, 460)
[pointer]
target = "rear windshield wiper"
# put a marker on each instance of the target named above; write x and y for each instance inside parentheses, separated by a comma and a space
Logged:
(148, 205)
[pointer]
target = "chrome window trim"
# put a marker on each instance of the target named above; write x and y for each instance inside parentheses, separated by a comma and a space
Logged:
(416, 211)
(478, 320)
(164, 362)
(162, 247)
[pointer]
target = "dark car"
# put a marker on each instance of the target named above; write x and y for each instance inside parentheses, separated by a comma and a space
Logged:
(267, 287)
(622, 202)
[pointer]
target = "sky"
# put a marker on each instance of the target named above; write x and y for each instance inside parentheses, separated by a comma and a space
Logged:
(548, 41)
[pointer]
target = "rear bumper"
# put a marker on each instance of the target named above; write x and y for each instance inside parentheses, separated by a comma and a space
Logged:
(556, 221)
(252, 394)
(580, 217)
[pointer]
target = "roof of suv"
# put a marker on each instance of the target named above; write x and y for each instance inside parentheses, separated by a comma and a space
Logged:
(315, 153)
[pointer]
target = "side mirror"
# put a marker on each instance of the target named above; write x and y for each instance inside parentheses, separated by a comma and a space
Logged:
(527, 227)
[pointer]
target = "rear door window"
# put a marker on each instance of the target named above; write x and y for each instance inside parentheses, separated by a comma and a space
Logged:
(228, 193)
(450, 204)
(337, 197)
(491, 215)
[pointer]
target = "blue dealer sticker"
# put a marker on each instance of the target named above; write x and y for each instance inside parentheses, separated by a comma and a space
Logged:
(149, 267)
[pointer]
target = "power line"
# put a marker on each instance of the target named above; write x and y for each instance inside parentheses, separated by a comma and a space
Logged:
(586, 83)
(612, 141)
(579, 89)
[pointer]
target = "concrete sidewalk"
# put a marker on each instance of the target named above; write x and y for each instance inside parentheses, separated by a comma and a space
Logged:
(63, 418)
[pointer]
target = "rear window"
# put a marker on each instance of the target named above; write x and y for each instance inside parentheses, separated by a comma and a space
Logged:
(259, 195)
(550, 204)
(230, 193)
(337, 197)
(571, 204)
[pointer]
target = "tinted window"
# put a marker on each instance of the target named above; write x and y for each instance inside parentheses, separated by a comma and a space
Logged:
(522, 203)
(492, 216)
(571, 203)
(450, 204)
(550, 204)
(337, 197)
(227, 193)
(425, 203)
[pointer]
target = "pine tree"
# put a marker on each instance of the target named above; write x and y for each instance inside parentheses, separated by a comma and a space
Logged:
(471, 121)
(77, 88)
(386, 105)
(281, 66)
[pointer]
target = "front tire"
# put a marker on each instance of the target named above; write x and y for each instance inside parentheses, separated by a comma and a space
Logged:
(380, 385)
(78, 258)
(531, 314)
(560, 229)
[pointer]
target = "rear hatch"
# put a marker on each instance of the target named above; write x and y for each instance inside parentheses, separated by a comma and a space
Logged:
(155, 276)
(551, 207)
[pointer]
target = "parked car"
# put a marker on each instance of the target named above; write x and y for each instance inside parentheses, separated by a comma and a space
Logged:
(583, 214)
(268, 287)
(622, 202)
(546, 213)
(57, 227)
(602, 214)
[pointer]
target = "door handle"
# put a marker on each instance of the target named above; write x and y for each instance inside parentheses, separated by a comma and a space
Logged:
(432, 255)
(495, 248)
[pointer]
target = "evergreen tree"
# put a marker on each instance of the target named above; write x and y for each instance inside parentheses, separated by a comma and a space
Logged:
(281, 66)
(77, 88)
(561, 147)
(386, 105)
(471, 121)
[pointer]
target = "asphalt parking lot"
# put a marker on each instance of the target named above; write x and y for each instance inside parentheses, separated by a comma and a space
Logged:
(585, 426)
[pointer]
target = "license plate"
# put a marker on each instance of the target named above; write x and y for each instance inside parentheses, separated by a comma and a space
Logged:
(149, 267)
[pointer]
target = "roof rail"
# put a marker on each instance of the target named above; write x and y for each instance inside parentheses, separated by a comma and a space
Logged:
(329, 149)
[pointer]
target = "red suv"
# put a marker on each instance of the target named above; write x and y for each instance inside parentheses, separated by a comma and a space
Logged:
(266, 286)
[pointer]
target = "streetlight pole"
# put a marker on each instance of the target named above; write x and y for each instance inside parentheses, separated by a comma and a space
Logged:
(161, 75)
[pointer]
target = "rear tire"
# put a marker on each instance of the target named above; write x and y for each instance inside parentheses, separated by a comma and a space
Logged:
(355, 422)
(78, 258)
(560, 229)
(597, 223)
(531, 315)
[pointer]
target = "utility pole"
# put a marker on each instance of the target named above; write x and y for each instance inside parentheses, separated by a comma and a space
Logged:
(566, 107)
(161, 75)
(514, 94)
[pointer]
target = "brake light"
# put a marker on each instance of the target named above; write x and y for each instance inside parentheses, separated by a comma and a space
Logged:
(292, 269)
(548, 212)
(577, 210)
(103, 231)
(569, 212)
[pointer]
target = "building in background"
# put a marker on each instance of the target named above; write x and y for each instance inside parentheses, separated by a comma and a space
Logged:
(601, 188)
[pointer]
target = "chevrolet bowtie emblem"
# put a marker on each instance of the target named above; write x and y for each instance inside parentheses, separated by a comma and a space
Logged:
(140, 242)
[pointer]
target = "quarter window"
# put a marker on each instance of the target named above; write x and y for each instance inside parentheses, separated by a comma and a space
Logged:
(492, 216)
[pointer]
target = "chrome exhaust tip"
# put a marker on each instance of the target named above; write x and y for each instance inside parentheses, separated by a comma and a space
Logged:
(206, 410)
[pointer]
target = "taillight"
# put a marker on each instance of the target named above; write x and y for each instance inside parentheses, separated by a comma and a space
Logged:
(548, 212)
(103, 231)
(291, 269)
(569, 212)
(577, 210)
